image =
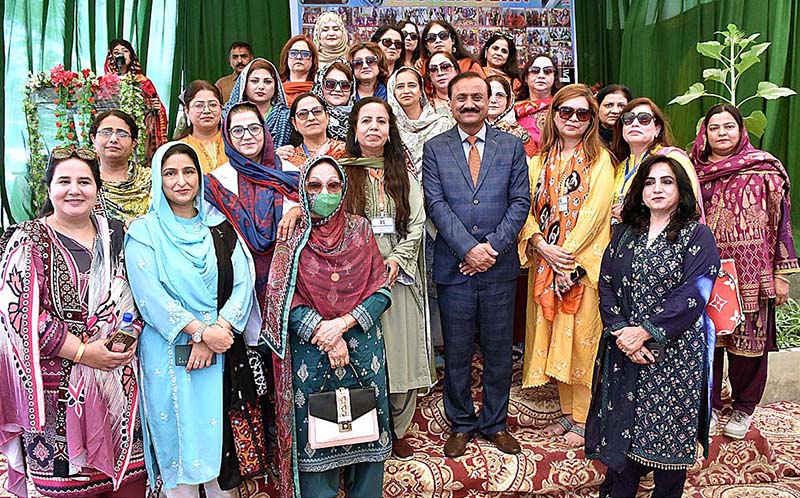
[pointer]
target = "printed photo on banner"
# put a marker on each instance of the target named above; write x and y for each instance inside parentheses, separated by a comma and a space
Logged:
(538, 26)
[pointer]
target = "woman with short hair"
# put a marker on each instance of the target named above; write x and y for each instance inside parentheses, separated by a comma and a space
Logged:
(369, 69)
(298, 65)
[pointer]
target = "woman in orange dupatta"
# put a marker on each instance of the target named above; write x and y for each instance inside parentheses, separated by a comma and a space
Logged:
(298, 66)
(563, 242)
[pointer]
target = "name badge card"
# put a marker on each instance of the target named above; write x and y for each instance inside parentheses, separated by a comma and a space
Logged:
(563, 203)
(383, 225)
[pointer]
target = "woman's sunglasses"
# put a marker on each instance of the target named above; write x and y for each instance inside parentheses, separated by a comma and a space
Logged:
(369, 60)
(441, 68)
(331, 84)
(644, 118)
(583, 115)
(66, 152)
(300, 54)
(410, 36)
(388, 42)
(546, 70)
(442, 35)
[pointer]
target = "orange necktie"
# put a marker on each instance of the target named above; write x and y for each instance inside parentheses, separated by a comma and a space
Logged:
(474, 159)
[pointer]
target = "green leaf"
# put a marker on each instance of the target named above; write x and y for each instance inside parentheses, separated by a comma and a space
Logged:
(712, 49)
(748, 40)
(693, 93)
(748, 59)
(771, 91)
(755, 123)
(715, 74)
(759, 48)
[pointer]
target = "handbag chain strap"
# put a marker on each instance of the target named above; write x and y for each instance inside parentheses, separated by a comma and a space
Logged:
(328, 375)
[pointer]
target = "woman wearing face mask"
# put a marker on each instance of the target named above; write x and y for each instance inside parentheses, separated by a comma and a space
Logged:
(310, 120)
(412, 45)
(155, 121)
(440, 69)
(642, 131)
(203, 107)
(501, 112)
(384, 190)
(611, 100)
(390, 40)
(298, 66)
(335, 84)
(192, 282)
(70, 404)
(259, 83)
(327, 293)
(538, 87)
(330, 37)
(499, 58)
(739, 184)
(369, 69)
(562, 243)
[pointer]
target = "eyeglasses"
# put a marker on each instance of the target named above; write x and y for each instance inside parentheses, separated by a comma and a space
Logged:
(330, 84)
(315, 187)
(444, 67)
(303, 114)
(442, 35)
(388, 42)
(213, 106)
(66, 152)
(644, 118)
(370, 60)
(254, 130)
(546, 70)
(410, 36)
(108, 132)
(583, 115)
(300, 54)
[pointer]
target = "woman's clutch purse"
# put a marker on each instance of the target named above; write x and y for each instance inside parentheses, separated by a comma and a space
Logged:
(724, 307)
(342, 416)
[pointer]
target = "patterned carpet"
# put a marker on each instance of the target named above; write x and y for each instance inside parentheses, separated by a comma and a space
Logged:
(764, 465)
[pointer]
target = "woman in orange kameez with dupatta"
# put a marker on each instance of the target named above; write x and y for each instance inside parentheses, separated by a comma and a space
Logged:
(566, 232)
(539, 83)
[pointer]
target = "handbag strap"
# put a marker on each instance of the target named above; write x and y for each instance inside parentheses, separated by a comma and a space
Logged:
(329, 370)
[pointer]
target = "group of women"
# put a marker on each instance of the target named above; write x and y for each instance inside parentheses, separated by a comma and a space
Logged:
(246, 265)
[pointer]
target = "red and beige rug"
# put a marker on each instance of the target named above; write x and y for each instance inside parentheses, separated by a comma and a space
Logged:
(764, 465)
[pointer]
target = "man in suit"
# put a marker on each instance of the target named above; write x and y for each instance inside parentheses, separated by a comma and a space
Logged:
(477, 193)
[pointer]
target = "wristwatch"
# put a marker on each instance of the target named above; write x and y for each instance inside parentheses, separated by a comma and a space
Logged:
(197, 336)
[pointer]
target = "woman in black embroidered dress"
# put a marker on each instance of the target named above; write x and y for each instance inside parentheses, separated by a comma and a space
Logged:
(650, 402)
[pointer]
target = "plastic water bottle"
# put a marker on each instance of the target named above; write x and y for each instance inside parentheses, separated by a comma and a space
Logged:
(124, 336)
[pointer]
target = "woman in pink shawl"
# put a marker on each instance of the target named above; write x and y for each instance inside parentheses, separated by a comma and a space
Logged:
(746, 196)
(68, 405)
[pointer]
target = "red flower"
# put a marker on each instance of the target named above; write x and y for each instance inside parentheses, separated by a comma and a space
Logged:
(56, 103)
(72, 91)
(70, 135)
(80, 123)
(90, 100)
(86, 72)
(58, 124)
(69, 104)
(72, 125)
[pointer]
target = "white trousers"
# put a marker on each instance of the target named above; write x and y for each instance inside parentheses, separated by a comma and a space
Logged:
(193, 491)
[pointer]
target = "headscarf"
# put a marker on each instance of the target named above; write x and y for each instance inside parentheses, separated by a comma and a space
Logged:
(278, 123)
(337, 115)
(739, 193)
(301, 274)
(415, 132)
(126, 199)
(184, 248)
(507, 122)
(325, 54)
(258, 207)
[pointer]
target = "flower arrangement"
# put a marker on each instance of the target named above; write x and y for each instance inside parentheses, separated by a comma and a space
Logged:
(74, 96)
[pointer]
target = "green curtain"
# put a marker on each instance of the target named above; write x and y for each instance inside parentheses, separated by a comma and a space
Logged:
(206, 28)
(649, 45)
(40, 34)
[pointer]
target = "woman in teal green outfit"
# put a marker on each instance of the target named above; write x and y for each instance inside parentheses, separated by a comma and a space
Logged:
(327, 291)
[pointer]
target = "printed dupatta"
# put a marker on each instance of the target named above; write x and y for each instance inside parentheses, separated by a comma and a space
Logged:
(555, 182)
(96, 410)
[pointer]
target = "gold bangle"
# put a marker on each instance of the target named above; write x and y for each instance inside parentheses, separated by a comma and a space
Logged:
(79, 353)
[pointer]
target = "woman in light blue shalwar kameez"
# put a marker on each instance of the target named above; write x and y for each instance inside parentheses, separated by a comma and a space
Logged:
(173, 274)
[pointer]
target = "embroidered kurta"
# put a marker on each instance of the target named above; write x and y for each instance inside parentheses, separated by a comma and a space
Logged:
(211, 153)
(182, 411)
(409, 349)
(564, 349)
(311, 366)
(655, 413)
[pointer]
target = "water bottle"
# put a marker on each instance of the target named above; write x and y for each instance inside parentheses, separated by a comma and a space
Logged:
(124, 337)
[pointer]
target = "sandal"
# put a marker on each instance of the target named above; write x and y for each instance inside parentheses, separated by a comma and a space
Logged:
(554, 430)
(579, 431)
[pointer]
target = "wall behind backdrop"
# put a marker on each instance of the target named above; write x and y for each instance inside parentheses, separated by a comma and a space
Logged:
(647, 44)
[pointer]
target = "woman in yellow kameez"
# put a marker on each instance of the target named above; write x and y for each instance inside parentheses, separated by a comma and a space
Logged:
(563, 240)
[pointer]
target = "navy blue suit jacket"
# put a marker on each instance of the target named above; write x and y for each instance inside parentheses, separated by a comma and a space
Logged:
(466, 215)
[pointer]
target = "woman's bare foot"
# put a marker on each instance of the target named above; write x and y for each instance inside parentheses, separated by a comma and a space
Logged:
(576, 436)
(559, 428)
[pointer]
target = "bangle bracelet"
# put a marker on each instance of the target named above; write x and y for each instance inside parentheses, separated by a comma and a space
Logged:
(79, 353)
(346, 328)
(781, 277)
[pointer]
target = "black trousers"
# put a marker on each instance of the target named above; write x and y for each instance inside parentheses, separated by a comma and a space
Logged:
(625, 484)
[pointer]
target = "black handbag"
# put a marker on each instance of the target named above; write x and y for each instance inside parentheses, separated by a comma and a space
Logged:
(342, 416)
